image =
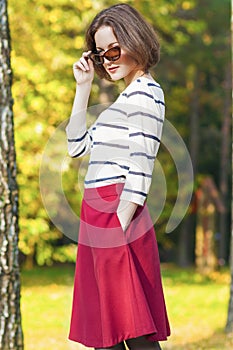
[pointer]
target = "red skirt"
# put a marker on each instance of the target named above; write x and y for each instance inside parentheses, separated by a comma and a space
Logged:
(118, 292)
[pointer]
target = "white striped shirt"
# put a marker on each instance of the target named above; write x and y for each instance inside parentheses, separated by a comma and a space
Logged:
(124, 140)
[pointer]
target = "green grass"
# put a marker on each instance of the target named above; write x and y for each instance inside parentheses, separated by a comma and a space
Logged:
(197, 308)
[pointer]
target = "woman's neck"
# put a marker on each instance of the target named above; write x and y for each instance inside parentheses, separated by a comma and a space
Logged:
(133, 76)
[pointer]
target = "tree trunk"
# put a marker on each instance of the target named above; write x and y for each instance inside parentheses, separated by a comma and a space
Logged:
(187, 232)
(229, 325)
(224, 166)
(10, 323)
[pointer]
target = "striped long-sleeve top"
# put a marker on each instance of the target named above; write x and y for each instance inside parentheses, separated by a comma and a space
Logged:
(124, 140)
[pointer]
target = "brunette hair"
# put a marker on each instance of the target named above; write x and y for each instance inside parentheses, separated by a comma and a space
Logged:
(133, 33)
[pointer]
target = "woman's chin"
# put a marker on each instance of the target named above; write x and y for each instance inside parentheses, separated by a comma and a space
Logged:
(115, 77)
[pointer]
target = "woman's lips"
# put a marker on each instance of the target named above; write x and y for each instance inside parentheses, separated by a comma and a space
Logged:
(113, 69)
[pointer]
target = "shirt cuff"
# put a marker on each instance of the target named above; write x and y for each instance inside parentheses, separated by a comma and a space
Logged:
(133, 196)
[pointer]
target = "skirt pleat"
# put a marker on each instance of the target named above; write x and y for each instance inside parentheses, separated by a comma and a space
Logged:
(118, 292)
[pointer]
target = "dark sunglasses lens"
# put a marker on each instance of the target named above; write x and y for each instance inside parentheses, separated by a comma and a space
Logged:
(96, 58)
(113, 54)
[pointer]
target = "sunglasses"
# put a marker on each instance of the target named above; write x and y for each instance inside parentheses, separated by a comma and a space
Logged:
(111, 55)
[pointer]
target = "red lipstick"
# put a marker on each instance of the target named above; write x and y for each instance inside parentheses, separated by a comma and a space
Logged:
(113, 69)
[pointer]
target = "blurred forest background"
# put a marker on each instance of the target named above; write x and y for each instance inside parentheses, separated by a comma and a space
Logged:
(195, 73)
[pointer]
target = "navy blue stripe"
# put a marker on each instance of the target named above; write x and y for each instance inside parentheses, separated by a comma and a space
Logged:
(145, 115)
(110, 145)
(79, 154)
(141, 154)
(103, 179)
(79, 139)
(137, 192)
(140, 93)
(145, 135)
(109, 163)
(113, 126)
(141, 174)
(155, 85)
(145, 94)
(159, 102)
(150, 84)
(117, 110)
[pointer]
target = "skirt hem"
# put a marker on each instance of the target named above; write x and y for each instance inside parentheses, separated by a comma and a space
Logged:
(94, 344)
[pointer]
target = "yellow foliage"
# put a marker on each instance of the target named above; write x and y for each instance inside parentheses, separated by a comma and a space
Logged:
(47, 38)
(187, 5)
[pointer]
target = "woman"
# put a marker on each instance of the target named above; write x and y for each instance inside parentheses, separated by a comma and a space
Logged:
(118, 297)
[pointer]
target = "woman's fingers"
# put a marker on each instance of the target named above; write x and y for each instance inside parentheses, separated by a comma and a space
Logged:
(83, 63)
(83, 69)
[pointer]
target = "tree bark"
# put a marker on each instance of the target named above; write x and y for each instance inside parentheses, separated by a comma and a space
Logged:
(224, 168)
(187, 232)
(229, 324)
(10, 317)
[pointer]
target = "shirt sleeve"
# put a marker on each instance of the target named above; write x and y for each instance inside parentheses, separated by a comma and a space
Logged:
(79, 139)
(145, 114)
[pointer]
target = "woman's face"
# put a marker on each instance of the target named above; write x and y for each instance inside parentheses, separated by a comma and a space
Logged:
(125, 67)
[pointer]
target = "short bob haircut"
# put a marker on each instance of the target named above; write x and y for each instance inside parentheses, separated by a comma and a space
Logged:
(133, 34)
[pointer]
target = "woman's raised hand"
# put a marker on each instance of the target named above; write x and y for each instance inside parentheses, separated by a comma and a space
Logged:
(83, 69)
